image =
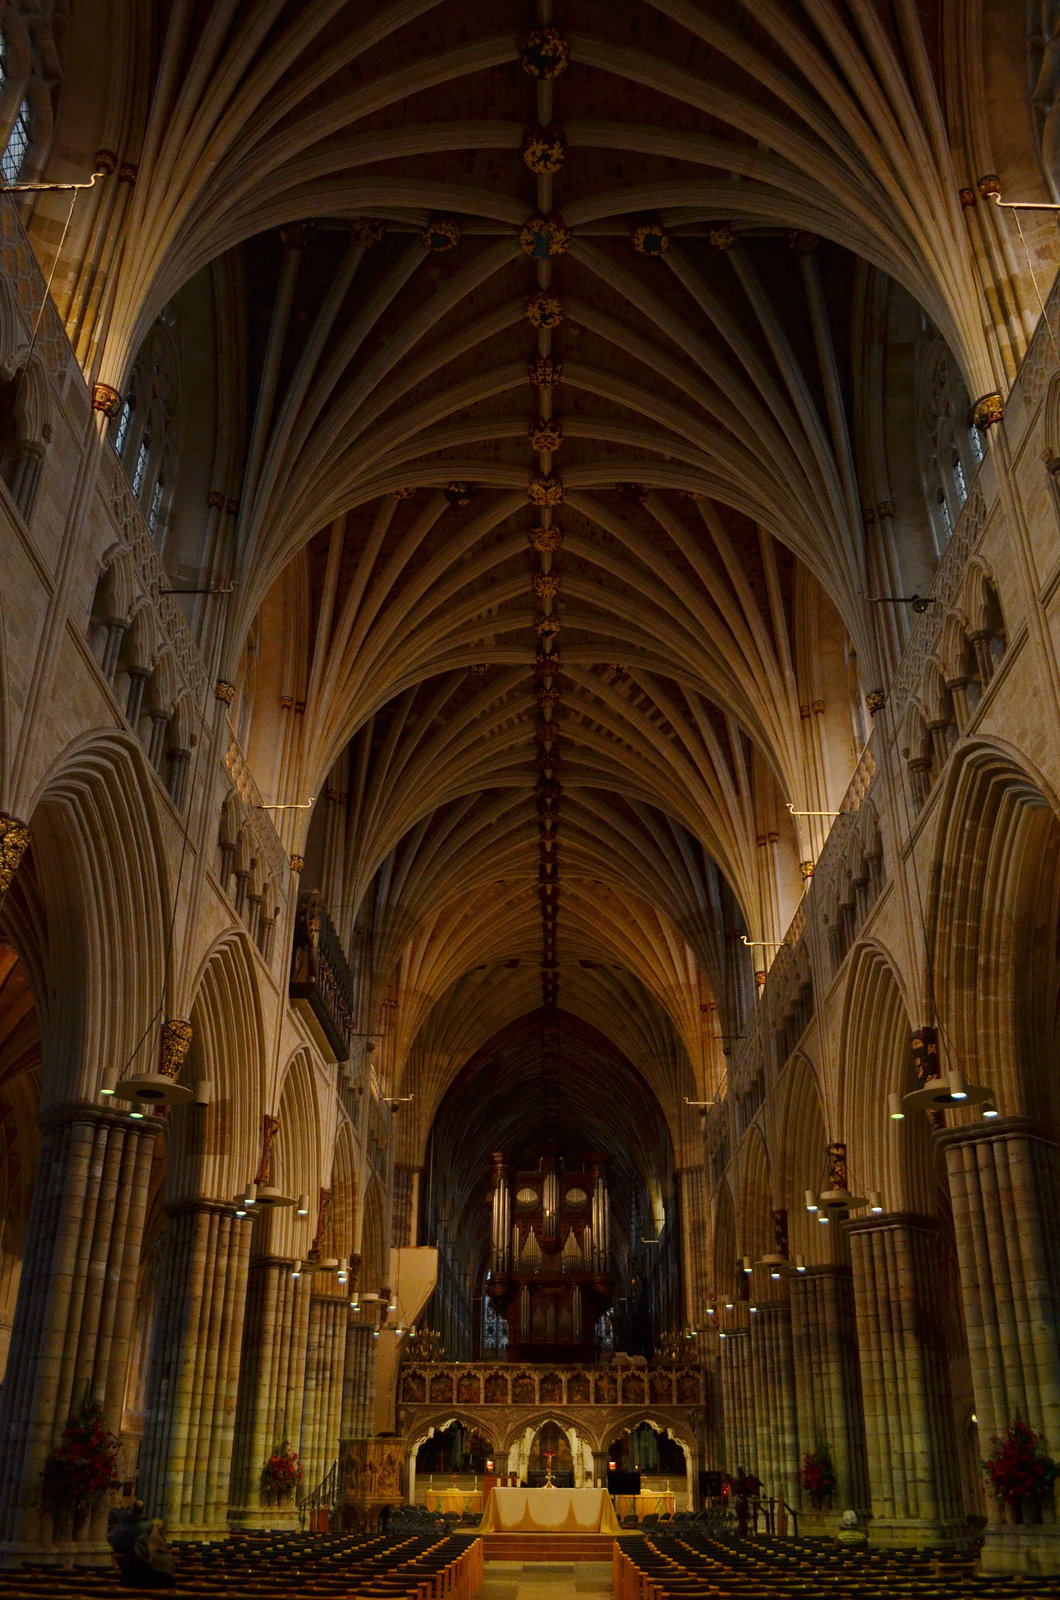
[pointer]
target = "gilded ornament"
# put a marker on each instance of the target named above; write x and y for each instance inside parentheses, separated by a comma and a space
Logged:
(988, 409)
(876, 699)
(224, 691)
(545, 372)
(127, 172)
(837, 1167)
(546, 664)
(440, 234)
(541, 237)
(106, 399)
(406, 491)
(297, 863)
(175, 1042)
(216, 500)
(545, 540)
(989, 186)
(104, 162)
(546, 627)
(544, 149)
(967, 198)
(14, 838)
(806, 868)
(545, 489)
(544, 53)
(650, 238)
(546, 435)
(367, 230)
(543, 309)
(547, 698)
(721, 236)
(545, 585)
(886, 508)
(457, 494)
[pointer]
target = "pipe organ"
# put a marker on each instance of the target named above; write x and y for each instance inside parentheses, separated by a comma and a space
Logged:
(550, 1251)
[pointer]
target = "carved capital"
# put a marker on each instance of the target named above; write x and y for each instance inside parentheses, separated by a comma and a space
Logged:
(224, 691)
(297, 863)
(106, 399)
(876, 699)
(988, 410)
(14, 837)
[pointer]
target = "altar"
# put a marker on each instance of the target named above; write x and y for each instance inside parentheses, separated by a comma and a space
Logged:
(661, 1504)
(549, 1510)
(453, 1499)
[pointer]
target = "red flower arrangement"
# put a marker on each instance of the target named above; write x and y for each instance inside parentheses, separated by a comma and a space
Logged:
(817, 1474)
(282, 1472)
(1018, 1466)
(80, 1470)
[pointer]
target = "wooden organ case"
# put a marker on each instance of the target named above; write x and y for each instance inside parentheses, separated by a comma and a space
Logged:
(549, 1258)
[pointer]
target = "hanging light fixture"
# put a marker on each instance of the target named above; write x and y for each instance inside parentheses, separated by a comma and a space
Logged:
(161, 1087)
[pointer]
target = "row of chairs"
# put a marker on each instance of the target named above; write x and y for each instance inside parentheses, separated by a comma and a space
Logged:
(689, 1562)
(423, 1566)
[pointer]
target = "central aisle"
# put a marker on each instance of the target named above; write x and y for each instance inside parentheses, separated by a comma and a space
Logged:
(542, 1580)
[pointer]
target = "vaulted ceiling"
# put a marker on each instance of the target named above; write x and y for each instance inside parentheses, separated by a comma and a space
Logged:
(544, 339)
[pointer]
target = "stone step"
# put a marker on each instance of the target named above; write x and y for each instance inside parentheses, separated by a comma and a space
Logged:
(558, 1547)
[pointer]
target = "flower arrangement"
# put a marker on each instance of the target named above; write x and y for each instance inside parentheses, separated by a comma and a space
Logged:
(80, 1470)
(1018, 1466)
(282, 1472)
(544, 149)
(817, 1474)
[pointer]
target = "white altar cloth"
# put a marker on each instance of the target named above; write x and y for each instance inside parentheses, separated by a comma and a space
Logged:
(549, 1511)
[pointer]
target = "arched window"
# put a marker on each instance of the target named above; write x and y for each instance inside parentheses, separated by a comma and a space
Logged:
(14, 156)
(141, 461)
(121, 432)
(950, 448)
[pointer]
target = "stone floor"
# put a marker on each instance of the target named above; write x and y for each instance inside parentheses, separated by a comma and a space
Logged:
(545, 1580)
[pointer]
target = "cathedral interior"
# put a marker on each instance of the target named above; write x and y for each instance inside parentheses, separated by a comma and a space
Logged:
(530, 756)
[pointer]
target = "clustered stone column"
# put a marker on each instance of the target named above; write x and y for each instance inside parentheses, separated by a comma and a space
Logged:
(74, 1313)
(324, 1372)
(189, 1415)
(358, 1383)
(773, 1375)
(827, 1389)
(1005, 1185)
(271, 1381)
(738, 1400)
(910, 1443)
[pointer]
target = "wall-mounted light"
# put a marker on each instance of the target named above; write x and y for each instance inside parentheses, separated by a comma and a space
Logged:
(303, 1205)
(110, 1081)
(811, 1200)
(894, 1108)
(296, 1269)
(800, 1263)
(875, 1202)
